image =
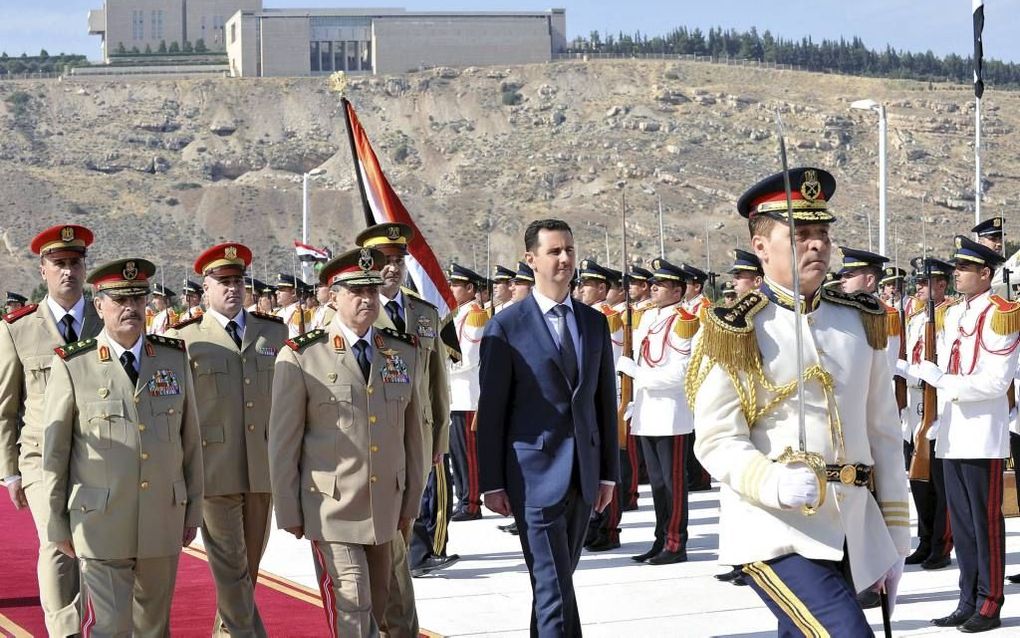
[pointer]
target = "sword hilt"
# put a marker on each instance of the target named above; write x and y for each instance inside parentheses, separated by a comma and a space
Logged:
(816, 464)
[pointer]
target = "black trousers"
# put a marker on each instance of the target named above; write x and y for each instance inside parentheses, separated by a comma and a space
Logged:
(630, 472)
(974, 496)
(665, 458)
(429, 534)
(697, 476)
(464, 458)
(934, 532)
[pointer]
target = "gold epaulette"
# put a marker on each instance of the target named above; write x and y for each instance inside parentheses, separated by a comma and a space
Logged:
(614, 320)
(169, 342)
(266, 316)
(686, 325)
(477, 316)
(406, 338)
(1005, 316)
(300, 341)
(892, 320)
(872, 314)
(940, 314)
(69, 350)
(728, 335)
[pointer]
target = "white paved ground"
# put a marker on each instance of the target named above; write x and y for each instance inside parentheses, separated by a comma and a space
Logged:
(487, 592)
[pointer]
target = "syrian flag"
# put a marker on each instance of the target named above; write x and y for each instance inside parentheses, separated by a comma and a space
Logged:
(979, 26)
(310, 253)
(382, 205)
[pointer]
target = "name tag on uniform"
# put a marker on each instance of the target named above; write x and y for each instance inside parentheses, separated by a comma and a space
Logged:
(425, 328)
(394, 370)
(163, 383)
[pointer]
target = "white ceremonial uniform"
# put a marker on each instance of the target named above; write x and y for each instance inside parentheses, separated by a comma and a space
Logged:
(469, 321)
(615, 321)
(915, 354)
(662, 356)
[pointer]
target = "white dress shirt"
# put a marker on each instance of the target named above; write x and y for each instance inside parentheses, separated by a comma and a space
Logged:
(77, 313)
(352, 337)
(223, 321)
(119, 349)
(546, 305)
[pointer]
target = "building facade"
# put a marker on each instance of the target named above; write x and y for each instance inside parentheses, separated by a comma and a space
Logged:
(274, 42)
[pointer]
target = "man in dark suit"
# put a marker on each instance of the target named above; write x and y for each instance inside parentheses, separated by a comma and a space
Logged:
(547, 441)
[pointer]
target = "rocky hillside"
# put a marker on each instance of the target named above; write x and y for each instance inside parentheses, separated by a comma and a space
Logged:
(164, 168)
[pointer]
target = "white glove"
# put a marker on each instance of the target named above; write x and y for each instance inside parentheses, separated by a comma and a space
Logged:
(927, 372)
(629, 412)
(933, 431)
(797, 486)
(901, 369)
(626, 365)
(891, 583)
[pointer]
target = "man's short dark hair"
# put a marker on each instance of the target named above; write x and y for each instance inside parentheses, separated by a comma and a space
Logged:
(531, 234)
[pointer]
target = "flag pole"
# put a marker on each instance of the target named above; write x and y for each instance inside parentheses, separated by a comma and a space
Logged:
(978, 10)
(977, 160)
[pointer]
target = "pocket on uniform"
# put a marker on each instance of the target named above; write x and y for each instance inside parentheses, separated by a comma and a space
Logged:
(103, 422)
(324, 483)
(86, 499)
(37, 373)
(337, 405)
(180, 492)
(166, 417)
(212, 434)
(212, 372)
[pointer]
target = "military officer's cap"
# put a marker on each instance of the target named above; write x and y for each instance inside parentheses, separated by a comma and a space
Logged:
(854, 259)
(695, 274)
(224, 260)
(662, 270)
(590, 269)
(460, 274)
(524, 273)
(939, 267)
(283, 280)
(354, 268)
(969, 251)
(831, 280)
(123, 277)
(991, 227)
(66, 238)
(811, 190)
(638, 274)
(162, 291)
(502, 274)
(615, 276)
(890, 274)
(389, 234)
(13, 297)
(745, 261)
(191, 288)
(728, 290)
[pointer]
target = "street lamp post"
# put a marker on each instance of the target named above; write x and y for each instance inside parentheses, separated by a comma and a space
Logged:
(306, 266)
(872, 105)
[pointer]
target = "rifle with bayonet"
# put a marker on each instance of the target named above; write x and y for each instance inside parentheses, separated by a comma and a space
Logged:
(899, 382)
(626, 383)
(920, 462)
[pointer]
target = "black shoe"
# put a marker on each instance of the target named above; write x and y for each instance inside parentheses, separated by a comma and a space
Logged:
(509, 527)
(649, 554)
(433, 563)
(936, 563)
(700, 487)
(954, 619)
(1015, 579)
(731, 575)
(466, 515)
(602, 545)
(666, 557)
(978, 623)
(740, 581)
(919, 556)
(630, 507)
(869, 599)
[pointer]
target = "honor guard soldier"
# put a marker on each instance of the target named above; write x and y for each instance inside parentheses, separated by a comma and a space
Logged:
(934, 534)
(27, 339)
(122, 463)
(848, 464)
(325, 310)
(522, 283)
(615, 296)
(407, 312)
(192, 301)
(746, 271)
(232, 353)
(468, 320)
(989, 233)
(14, 302)
(288, 290)
(163, 316)
(345, 445)
(832, 280)
(661, 419)
(729, 293)
(977, 362)
(891, 288)
(694, 302)
(639, 286)
(502, 295)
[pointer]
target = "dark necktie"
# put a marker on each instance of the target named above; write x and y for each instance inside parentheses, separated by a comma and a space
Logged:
(393, 310)
(235, 333)
(127, 359)
(361, 354)
(70, 336)
(568, 355)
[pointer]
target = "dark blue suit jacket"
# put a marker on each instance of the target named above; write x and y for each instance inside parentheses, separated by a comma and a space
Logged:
(532, 426)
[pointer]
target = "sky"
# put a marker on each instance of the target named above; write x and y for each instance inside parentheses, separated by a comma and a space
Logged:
(944, 26)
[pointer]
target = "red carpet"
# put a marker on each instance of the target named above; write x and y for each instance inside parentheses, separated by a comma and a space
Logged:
(288, 610)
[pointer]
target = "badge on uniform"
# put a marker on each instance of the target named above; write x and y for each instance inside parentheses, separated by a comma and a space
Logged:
(163, 383)
(394, 370)
(265, 350)
(425, 328)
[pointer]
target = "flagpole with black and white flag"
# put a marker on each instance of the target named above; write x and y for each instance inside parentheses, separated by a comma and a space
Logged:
(979, 89)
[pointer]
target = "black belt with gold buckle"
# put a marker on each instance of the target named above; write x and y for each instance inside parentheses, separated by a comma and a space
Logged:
(849, 474)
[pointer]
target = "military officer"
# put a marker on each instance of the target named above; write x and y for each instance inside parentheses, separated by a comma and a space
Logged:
(935, 536)
(14, 302)
(407, 312)
(741, 381)
(27, 339)
(523, 281)
(232, 353)
(977, 362)
(122, 463)
(468, 321)
(661, 419)
(746, 271)
(192, 301)
(345, 445)
(163, 316)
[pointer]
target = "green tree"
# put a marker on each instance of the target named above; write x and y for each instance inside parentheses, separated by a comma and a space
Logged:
(200, 46)
(43, 54)
(120, 49)
(148, 50)
(162, 47)
(175, 48)
(187, 48)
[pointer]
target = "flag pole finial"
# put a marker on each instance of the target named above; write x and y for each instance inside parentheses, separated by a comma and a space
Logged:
(338, 83)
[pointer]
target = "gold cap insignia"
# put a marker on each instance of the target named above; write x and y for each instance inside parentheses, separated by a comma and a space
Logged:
(810, 187)
(130, 271)
(230, 252)
(656, 263)
(959, 242)
(997, 222)
(365, 261)
(393, 233)
(584, 264)
(67, 234)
